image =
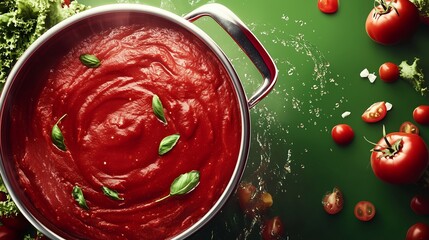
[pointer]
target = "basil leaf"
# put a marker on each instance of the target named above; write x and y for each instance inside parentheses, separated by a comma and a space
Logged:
(158, 109)
(185, 183)
(78, 196)
(168, 143)
(89, 60)
(57, 136)
(111, 193)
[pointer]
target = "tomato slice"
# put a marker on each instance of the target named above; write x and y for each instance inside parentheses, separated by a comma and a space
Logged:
(376, 112)
(333, 202)
(328, 6)
(364, 211)
(408, 127)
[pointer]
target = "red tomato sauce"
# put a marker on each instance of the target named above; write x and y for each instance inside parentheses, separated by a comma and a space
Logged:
(112, 135)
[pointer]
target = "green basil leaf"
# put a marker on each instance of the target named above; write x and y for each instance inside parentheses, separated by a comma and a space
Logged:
(89, 60)
(57, 136)
(158, 109)
(78, 196)
(185, 183)
(111, 193)
(168, 143)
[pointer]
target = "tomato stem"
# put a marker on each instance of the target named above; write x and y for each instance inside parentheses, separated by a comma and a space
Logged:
(387, 7)
(375, 144)
(390, 149)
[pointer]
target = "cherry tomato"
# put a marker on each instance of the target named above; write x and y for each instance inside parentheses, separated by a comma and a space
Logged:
(388, 72)
(342, 134)
(421, 114)
(328, 6)
(67, 2)
(408, 127)
(264, 201)
(364, 211)
(252, 201)
(420, 204)
(392, 21)
(400, 158)
(376, 112)
(419, 231)
(245, 193)
(273, 229)
(333, 202)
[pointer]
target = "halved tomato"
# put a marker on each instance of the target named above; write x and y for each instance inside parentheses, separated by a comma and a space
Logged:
(408, 127)
(376, 112)
(364, 211)
(333, 202)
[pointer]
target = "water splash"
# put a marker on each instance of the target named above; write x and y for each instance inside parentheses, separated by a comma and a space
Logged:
(307, 98)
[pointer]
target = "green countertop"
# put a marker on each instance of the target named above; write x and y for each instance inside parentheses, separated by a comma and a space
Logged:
(292, 155)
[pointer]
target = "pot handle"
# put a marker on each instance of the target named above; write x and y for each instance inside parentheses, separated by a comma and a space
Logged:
(247, 42)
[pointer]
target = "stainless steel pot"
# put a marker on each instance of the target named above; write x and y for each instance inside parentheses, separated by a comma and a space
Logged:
(120, 13)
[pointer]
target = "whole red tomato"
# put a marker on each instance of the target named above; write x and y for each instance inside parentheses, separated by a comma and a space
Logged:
(392, 21)
(418, 231)
(400, 158)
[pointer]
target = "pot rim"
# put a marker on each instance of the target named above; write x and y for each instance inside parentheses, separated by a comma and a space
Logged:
(5, 101)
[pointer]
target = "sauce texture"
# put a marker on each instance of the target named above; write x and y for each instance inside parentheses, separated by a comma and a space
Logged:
(112, 134)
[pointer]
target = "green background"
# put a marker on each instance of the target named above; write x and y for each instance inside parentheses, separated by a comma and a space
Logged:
(292, 155)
